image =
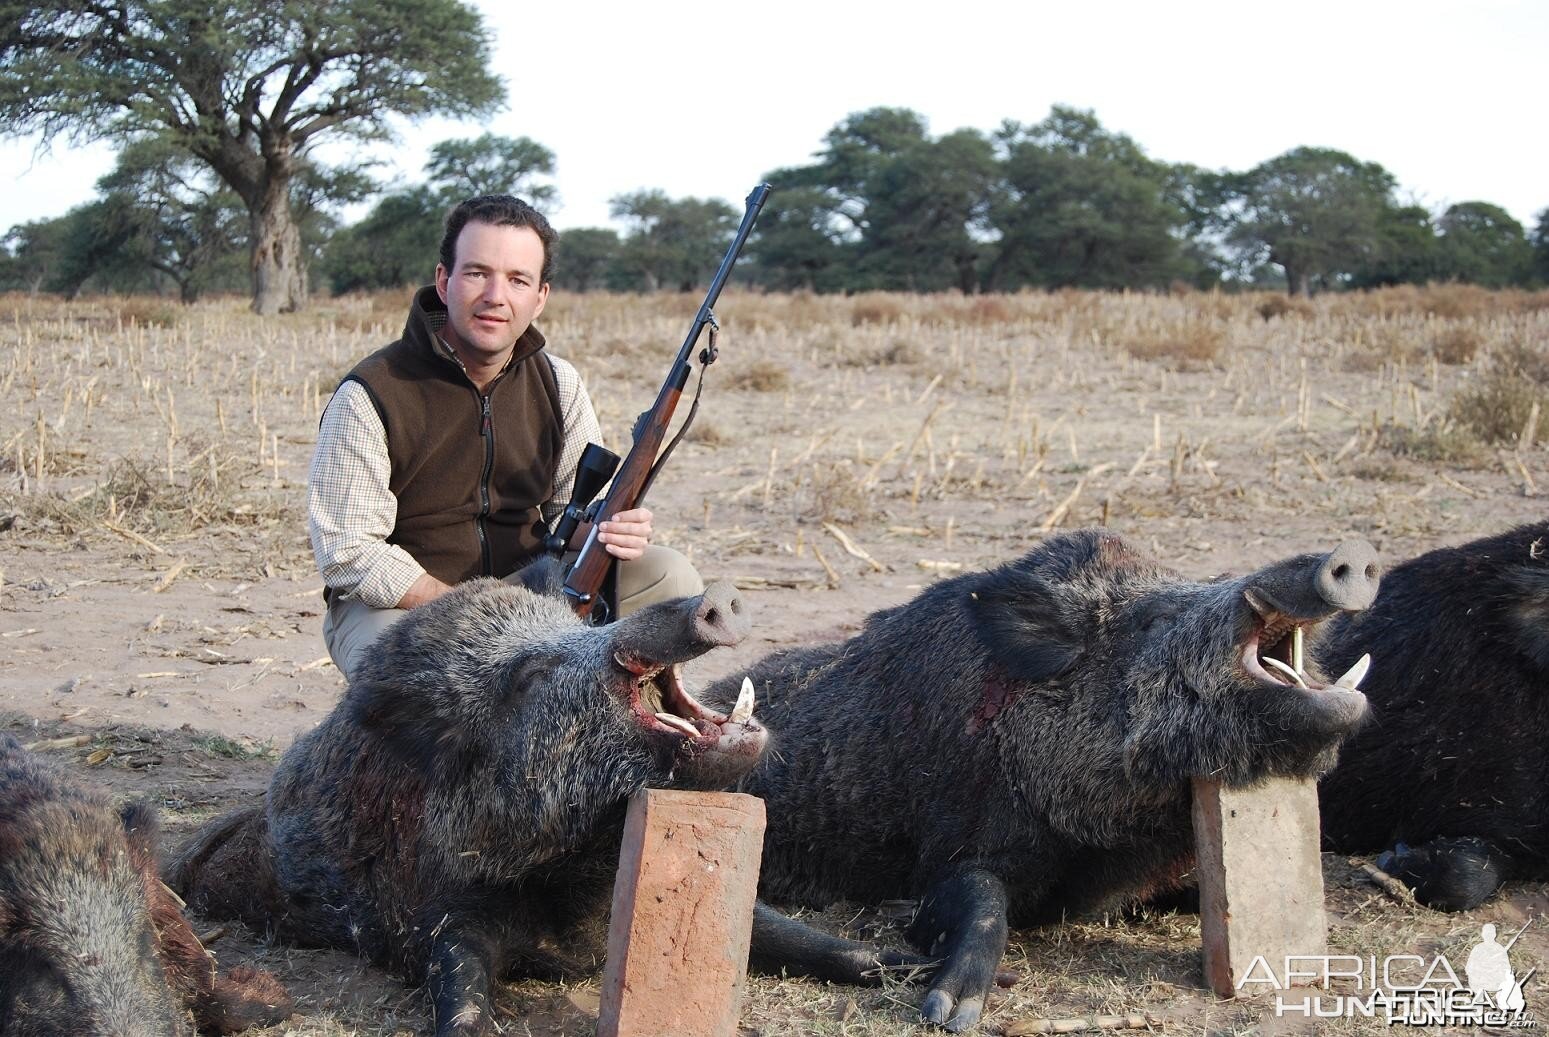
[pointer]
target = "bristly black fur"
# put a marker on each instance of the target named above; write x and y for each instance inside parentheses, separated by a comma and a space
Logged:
(458, 816)
(1019, 743)
(1452, 761)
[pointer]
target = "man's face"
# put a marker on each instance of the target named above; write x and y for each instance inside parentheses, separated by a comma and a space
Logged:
(493, 293)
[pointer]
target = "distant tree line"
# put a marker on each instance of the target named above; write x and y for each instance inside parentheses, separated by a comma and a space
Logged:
(1066, 203)
(1062, 203)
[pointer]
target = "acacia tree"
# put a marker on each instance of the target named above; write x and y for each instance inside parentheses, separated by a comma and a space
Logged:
(801, 242)
(395, 244)
(179, 222)
(585, 257)
(1083, 206)
(1539, 241)
(491, 164)
(672, 242)
(1482, 244)
(246, 87)
(1317, 213)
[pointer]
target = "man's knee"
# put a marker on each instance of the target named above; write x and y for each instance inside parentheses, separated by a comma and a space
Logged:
(660, 574)
(350, 628)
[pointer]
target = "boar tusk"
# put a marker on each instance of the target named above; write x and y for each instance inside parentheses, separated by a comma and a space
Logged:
(1356, 674)
(742, 712)
(1296, 649)
(1288, 671)
(679, 723)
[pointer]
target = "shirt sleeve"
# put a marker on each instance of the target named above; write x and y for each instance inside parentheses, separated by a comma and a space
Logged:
(350, 510)
(581, 428)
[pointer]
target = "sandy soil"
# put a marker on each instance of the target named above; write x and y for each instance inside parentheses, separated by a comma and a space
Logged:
(158, 593)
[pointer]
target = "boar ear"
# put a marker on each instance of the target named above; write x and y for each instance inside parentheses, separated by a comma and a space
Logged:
(1028, 625)
(1529, 612)
(142, 828)
(543, 575)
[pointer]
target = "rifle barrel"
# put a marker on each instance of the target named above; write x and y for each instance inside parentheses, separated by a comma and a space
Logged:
(592, 565)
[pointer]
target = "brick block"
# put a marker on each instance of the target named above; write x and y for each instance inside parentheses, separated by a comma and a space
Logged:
(1260, 876)
(682, 915)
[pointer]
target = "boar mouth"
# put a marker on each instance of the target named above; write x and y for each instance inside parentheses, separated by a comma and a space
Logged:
(663, 706)
(1273, 653)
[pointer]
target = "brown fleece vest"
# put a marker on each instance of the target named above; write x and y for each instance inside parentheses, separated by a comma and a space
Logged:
(469, 471)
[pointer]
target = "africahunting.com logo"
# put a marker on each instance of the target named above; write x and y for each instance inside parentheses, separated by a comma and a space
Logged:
(1404, 989)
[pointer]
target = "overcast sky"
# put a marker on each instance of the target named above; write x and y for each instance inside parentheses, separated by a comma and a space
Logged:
(703, 98)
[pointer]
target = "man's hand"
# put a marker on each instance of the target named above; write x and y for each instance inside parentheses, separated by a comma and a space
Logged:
(627, 534)
(426, 588)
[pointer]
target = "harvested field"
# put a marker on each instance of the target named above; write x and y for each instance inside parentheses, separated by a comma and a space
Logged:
(157, 592)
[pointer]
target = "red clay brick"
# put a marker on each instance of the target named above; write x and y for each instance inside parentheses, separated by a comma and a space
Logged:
(682, 915)
(1260, 877)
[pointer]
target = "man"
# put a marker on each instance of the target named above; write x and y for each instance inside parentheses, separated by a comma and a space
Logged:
(447, 454)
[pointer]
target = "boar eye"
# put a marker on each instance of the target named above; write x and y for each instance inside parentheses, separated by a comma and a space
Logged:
(1149, 616)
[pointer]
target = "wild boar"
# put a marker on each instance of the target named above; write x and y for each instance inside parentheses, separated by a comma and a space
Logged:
(1018, 744)
(90, 941)
(1449, 776)
(458, 816)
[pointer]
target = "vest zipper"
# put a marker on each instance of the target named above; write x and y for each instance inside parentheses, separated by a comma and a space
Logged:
(487, 431)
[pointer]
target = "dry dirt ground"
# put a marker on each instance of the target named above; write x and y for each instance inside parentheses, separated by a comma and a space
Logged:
(157, 592)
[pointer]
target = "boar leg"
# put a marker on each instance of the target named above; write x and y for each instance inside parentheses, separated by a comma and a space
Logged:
(460, 978)
(962, 918)
(1449, 874)
(782, 944)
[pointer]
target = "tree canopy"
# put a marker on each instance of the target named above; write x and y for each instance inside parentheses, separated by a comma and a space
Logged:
(1482, 244)
(670, 243)
(397, 241)
(247, 88)
(1317, 213)
(884, 203)
(1081, 206)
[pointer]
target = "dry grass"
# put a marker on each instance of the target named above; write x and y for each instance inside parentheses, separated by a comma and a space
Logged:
(876, 309)
(899, 351)
(706, 434)
(1457, 300)
(1283, 306)
(1499, 407)
(136, 312)
(837, 493)
(760, 376)
(1187, 345)
(1456, 345)
(1444, 442)
(942, 432)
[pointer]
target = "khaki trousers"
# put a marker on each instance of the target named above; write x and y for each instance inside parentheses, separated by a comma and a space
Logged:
(660, 574)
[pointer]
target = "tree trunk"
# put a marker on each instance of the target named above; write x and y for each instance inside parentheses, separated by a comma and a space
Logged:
(279, 267)
(1297, 280)
(967, 274)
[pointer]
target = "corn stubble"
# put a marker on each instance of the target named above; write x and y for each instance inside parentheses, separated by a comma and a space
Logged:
(935, 433)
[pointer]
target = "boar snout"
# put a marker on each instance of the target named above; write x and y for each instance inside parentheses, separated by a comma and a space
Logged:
(721, 617)
(1349, 575)
(1313, 587)
(685, 628)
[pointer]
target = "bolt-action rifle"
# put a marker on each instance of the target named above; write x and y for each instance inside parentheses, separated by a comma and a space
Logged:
(588, 580)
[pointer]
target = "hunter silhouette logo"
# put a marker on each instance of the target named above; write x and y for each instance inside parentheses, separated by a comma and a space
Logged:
(1489, 971)
(1403, 989)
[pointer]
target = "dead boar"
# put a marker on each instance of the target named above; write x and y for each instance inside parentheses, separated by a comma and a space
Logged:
(1448, 778)
(458, 816)
(1015, 745)
(90, 941)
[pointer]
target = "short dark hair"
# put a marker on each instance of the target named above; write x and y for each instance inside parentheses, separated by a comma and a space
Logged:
(500, 210)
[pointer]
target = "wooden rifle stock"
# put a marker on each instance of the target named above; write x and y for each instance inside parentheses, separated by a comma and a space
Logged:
(584, 581)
